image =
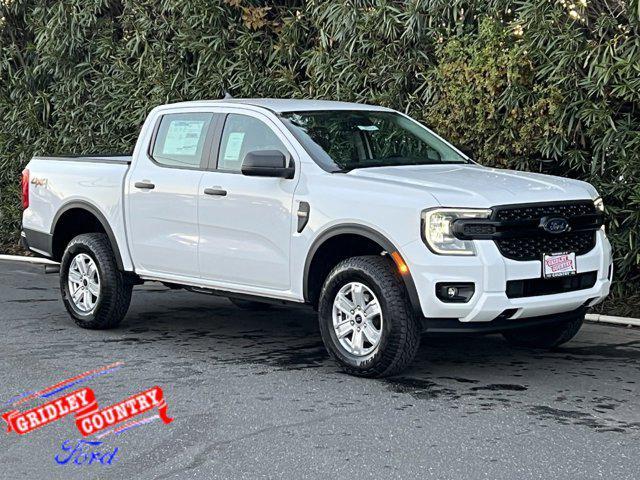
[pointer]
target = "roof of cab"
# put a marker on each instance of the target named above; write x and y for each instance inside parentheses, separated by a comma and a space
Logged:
(282, 105)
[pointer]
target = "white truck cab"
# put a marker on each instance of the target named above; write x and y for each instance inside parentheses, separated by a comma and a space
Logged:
(358, 210)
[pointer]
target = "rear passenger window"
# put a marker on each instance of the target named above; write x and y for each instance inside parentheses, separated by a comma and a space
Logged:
(180, 139)
(243, 134)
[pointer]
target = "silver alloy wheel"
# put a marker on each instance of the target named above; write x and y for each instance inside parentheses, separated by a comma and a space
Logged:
(84, 282)
(357, 319)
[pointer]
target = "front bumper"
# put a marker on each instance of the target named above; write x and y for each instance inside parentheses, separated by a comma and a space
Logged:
(490, 271)
(499, 325)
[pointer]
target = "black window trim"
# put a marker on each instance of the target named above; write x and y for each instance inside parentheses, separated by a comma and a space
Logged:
(206, 149)
(216, 139)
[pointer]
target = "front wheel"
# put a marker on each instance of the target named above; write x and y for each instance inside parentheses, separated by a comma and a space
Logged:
(366, 322)
(548, 336)
(94, 291)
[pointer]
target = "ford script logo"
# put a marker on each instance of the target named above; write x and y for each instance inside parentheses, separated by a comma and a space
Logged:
(555, 225)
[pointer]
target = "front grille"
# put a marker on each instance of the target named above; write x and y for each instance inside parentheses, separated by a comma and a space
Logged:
(548, 286)
(478, 229)
(566, 210)
(534, 245)
(532, 248)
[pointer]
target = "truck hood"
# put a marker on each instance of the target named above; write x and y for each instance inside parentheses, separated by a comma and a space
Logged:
(480, 187)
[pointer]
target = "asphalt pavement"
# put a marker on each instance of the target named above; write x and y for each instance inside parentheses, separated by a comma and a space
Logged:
(254, 395)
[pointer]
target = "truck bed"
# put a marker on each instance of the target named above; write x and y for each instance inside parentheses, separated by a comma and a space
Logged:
(59, 184)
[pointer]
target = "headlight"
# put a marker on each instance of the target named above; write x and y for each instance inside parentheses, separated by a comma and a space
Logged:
(437, 233)
(599, 204)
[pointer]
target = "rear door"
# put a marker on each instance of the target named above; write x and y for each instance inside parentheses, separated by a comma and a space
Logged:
(163, 195)
(245, 222)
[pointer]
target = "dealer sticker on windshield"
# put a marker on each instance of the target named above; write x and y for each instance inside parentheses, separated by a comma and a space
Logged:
(559, 264)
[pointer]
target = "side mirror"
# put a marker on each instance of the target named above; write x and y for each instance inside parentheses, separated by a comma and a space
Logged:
(266, 163)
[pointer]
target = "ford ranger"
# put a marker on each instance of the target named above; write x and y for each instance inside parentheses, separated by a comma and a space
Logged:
(360, 211)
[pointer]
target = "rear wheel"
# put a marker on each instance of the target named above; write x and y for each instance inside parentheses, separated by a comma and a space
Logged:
(366, 322)
(94, 291)
(548, 336)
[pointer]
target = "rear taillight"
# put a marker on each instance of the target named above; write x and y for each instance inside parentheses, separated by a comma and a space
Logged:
(25, 188)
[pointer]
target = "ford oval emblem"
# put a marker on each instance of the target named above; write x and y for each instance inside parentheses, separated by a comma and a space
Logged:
(555, 225)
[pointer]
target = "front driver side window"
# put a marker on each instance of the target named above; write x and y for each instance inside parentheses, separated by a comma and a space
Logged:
(243, 134)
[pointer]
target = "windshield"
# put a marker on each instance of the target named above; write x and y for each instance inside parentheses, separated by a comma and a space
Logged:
(341, 140)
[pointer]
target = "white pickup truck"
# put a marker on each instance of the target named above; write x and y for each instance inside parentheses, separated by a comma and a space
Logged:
(358, 210)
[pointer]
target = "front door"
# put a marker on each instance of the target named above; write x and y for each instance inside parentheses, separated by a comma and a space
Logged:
(245, 222)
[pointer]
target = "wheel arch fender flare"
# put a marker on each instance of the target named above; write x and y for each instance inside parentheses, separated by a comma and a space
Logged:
(93, 210)
(371, 234)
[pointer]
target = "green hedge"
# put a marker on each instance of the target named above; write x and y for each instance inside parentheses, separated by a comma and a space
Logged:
(537, 85)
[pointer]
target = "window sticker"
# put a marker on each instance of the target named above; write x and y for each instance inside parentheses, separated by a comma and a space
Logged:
(183, 137)
(368, 128)
(234, 145)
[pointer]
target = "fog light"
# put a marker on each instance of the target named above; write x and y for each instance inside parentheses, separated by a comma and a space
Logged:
(455, 292)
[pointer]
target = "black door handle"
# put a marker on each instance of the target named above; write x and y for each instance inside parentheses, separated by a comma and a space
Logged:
(144, 185)
(215, 191)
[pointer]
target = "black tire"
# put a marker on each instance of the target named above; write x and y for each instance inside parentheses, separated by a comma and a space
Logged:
(400, 330)
(115, 291)
(548, 336)
(250, 305)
